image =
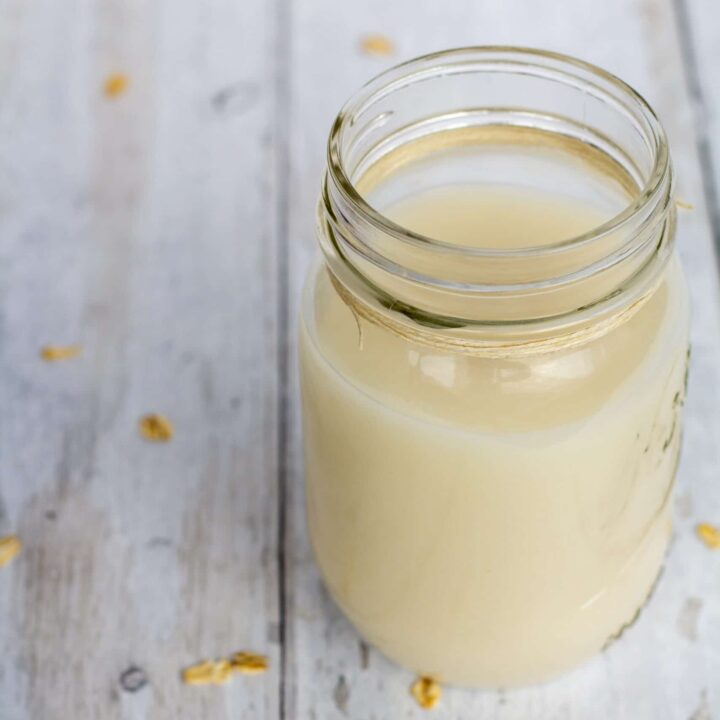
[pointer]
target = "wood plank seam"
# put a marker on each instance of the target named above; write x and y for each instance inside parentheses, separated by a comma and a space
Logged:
(281, 135)
(703, 141)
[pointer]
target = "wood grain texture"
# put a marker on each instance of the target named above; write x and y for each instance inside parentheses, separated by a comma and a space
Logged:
(699, 30)
(668, 666)
(143, 228)
(154, 230)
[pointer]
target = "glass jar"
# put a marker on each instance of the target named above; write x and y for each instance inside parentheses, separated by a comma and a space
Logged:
(494, 351)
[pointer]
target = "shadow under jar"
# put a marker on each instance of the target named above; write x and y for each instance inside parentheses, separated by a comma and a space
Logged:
(493, 360)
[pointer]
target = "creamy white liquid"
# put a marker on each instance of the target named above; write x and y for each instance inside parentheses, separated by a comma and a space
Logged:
(491, 522)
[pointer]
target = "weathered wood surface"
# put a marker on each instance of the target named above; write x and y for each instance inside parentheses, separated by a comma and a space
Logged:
(168, 232)
(143, 228)
(669, 665)
(699, 26)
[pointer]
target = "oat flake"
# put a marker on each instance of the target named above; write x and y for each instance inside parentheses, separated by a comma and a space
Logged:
(54, 353)
(116, 84)
(156, 428)
(10, 546)
(710, 535)
(378, 45)
(427, 692)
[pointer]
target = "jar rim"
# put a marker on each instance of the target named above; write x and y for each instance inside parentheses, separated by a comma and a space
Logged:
(507, 57)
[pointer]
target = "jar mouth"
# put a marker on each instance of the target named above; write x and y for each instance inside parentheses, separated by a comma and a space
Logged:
(497, 58)
(464, 98)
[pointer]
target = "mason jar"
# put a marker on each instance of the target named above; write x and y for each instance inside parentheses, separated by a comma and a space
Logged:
(494, 348)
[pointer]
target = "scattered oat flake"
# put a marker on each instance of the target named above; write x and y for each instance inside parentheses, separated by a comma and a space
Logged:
(209, 672)
(377, 45)
(156, 428)
(10, 546)
(684, 204)
(53, 353)
(427, 692)
(710, 535)
(248, 663)
(218, 672)
(116, 84)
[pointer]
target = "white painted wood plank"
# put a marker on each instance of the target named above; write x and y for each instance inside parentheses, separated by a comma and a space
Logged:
(145, 229)
(661, 669)
(699, 26)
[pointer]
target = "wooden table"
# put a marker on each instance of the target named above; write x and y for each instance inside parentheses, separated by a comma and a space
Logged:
(167, 231)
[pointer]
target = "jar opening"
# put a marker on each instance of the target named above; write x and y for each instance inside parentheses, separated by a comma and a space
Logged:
(474, 123)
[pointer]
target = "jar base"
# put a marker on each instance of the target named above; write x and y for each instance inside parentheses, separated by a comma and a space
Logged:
(531, 680)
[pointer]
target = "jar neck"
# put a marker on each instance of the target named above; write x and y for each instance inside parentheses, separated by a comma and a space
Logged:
(504, 99)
